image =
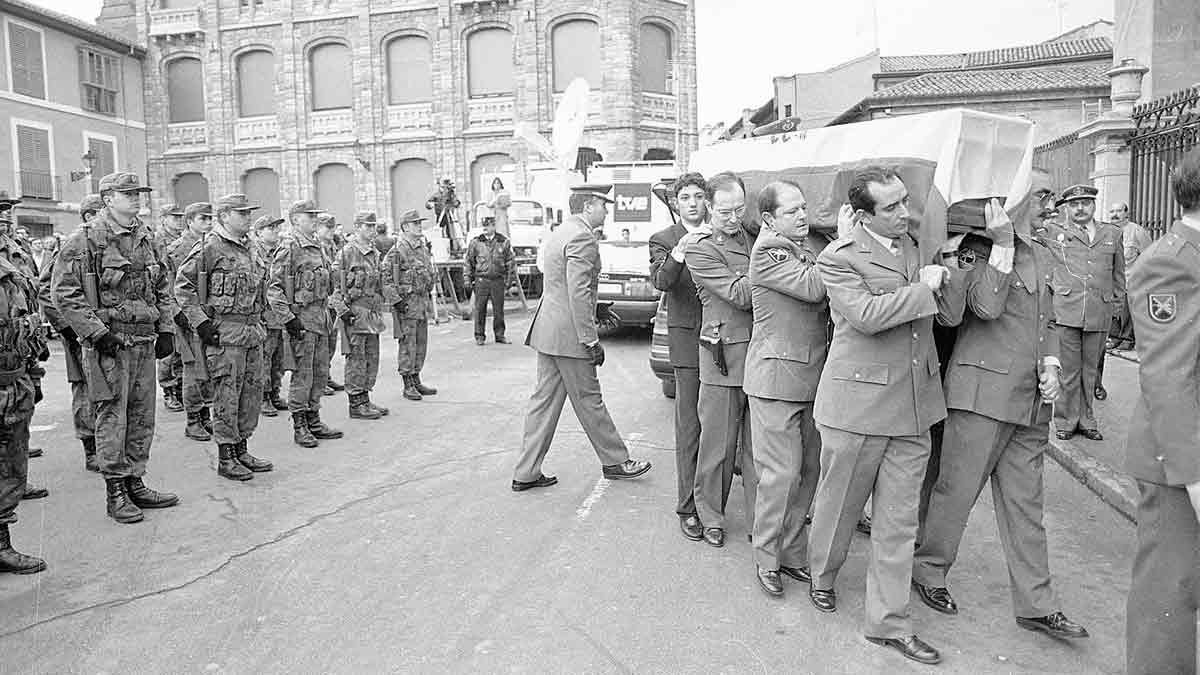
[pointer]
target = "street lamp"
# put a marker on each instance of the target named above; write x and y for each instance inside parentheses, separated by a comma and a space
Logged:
(90, 160)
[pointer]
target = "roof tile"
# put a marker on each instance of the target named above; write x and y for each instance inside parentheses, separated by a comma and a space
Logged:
(958, 83)
(1008, 56)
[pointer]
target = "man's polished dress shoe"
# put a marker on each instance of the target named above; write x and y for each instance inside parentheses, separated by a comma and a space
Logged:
(630, 468)
(1064, 435)
(911, 647)
(1056, 624)
(768, 580)
(826, 601)
(34, 492)
(937, 598)
(1101, 393)
(691, 527)
(714, 536)
(1091, 434)
(35, 452)
(798, 573)
(541, 481)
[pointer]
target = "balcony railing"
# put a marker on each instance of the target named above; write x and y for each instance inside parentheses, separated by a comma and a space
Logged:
(165, 22)
(258, 131)
(490, 112)
(330, 125)
(595, 107)
(40, 185)
(410, 118)
(659, 110)
(187, 137)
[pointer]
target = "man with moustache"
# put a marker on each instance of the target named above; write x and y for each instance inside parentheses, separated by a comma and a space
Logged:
(720, 263)
(669, 274)
(783, 366)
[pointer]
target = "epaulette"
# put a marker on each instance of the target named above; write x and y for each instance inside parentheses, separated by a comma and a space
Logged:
(841, 243)
(705, 235)
(1171, 243)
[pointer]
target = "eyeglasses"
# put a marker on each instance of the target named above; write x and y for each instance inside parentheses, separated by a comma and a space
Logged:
(727, 214)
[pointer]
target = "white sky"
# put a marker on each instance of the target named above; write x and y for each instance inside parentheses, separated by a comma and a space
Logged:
(742, 44)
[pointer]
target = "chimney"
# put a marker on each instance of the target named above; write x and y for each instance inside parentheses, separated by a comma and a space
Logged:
(120, 17)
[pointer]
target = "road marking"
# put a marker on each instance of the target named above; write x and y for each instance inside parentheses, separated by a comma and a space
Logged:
(43, 427)
(585, 508)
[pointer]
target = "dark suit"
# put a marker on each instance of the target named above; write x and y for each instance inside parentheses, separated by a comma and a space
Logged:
(998, 427)
(563, 323)
(783, 366)
(683, 334)
(720, 265)
(1163, 454)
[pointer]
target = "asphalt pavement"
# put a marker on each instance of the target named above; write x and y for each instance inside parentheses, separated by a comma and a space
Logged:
(401, 549)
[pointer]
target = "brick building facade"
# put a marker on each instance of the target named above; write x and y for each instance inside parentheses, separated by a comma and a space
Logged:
(362, 104)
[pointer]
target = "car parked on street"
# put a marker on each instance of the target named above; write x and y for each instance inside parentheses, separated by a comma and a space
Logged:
(660, 351)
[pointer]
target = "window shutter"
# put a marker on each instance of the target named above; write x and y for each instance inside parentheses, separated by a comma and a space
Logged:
(654, 54)
(410, 79)
(104, 163)
(490, 62)
(576, 46)
(256, 83)
(332, 77)
(25, 50)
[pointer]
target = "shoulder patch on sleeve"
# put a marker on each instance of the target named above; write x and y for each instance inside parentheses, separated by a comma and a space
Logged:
(777, 254)
(1162, 307)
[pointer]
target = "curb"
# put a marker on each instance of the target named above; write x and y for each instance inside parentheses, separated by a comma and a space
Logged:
(1113, 487)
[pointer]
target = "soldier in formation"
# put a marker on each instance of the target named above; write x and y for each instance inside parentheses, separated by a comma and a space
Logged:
(266, 242)
(408, 278)
(331, 243)
(170, 369)
(359, 299)
(197, 387)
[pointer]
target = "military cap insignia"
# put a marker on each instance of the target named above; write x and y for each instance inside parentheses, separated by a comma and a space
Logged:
(778, 254)
(1162, 307)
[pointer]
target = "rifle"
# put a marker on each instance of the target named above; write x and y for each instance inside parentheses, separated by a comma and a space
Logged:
(202, 272)
(98, 386)
(91, 280)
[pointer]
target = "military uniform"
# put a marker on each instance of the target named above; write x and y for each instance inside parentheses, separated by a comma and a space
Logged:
(222, 281)
(1164, 456)
(720, 264)
(879, 394)
(117, 268)
(170, 369)
(273, 345)
(332, 250)
(17, 252)
(83, 413)
(408, 278)
(197, 385)
(490, 264)
(359, 286)
(300, 284)
(783, 366)
(1089, 281)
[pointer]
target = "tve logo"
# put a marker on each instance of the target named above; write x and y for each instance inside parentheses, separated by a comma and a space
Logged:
(632, 202)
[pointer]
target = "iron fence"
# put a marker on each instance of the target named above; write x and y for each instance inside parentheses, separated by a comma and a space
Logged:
(1166, 128)
(1067, 159)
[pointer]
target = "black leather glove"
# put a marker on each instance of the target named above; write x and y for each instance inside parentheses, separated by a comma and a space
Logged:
(596, 354)
(606, 316)
(294, 328)
(181, 320)
(209, 334)
(348, 318)
(107, 344)
(37, 393)
(44, 354)
(164, 346)
(69, 334)
(400, 306)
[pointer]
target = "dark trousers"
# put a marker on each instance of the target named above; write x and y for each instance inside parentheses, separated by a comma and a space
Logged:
(1160, 614)
(489, 290)
(687, 437)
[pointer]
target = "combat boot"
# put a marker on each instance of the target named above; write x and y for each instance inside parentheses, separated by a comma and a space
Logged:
(120, 508)
(425, 391)
(410, 388)
(371, 404)
(206, 419)
(277, 402)
(319, 429)
(14, 562)
(89, 454)
(334, 385)
(171, 400)
(195, 428)
(361, 410)
(250, 461)
(267, 410)
(301, 435)
(228, 465)
(145, 498)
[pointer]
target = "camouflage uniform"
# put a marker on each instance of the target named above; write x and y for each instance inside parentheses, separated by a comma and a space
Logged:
(360, 292)
(301, 262)
(272, 347)
(408, 277)
(83, 414)
(170, 369)
(135, 306)
(236, 301)
(197, 385)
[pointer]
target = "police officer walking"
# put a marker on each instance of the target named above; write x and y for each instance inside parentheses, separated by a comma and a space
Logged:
(783, 366)
(114, 292)
(359, 297)
(300, 285)
(221, 288)
(719, 263)
(1162, 453)
(1088, 282)
(266, 241)
(197, 387)
(490, 264)
(170, 369)
(408, 277)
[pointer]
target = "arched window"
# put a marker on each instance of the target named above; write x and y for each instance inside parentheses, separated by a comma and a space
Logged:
(334, 187)
(412, 183)
(576, 46)
(410, 79)
(190, 188)
(185, 90)
(261, 186)
(654, 55)
(486, 167)
(256, 83)
(330, 77)
(490, 62)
